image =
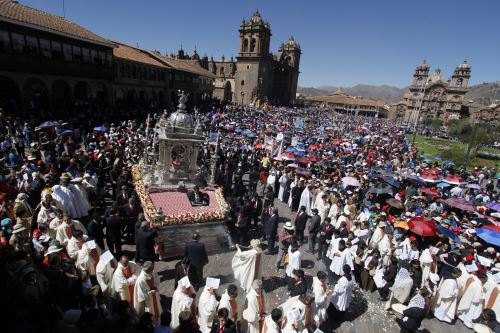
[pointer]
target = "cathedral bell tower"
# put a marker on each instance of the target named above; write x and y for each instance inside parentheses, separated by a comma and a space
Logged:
(421, 74)
(254, 68)
(461, 76)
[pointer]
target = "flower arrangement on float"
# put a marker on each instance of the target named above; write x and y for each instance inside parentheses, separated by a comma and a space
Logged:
(188, 218)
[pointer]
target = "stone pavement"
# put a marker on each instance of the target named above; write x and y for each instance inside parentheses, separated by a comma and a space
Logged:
(365, 314)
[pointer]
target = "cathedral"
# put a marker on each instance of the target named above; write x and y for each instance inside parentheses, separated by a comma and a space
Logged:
(433, 95)
(256, 72)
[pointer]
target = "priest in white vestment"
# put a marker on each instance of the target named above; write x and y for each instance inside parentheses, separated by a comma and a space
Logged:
(273, 322)
(228, 300)
(88, 257)
(292, 185)
(342, 292)
(305, 200)
(124, 279)
(401, 288)
(146, 295)
(207, 308)
(74, 244)
(298, 311)
(322, 296)
(283, 184)
(491, 297)
(104, 272)
(81, 196)
(341, 258)
(294, 260)
(65, 196)
(182, 300)
(65, 231)
(255, 312)
(447, 297)
(472, 302)
(247, 265)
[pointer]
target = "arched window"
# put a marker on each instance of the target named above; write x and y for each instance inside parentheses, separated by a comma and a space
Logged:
(242, 82)
(252, 45)
(222, 71)
(245, 45)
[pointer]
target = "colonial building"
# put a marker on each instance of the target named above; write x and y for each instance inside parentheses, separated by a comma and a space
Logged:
(258, 73)
(49, 64)
(341, 102)
(433, 95)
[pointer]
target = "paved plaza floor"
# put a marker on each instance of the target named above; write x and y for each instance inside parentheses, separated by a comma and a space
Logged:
(365, 314)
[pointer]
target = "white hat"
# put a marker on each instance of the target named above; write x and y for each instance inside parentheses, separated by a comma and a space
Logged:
(52, 249)
(434, 278)
(289, 226)
(184, 282)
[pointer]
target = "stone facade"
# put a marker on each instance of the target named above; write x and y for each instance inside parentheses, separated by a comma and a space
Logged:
(258, 73)
(433, 95)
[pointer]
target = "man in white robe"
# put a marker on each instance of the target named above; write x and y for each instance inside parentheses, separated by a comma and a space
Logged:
(75, 244)
(341, 258)
(283, 184)
(182, 300)
(342, 292)
(491, 299)
(65, 231)
(255, 312)
(305, 199)
(322, 296)
(247, 265)
(298, 311)
(146, 296)
(228, 300)
(472, 302)
(273, 322)
(207, 308)
(292, 185)
(124, 279)
(446, 299)
(88, 257)
(65, 196)
(294, 260)
(104, 272)
(401, 288)
(426, 262)
(81, 195)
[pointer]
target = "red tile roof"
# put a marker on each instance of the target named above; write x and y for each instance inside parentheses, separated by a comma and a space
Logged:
(186, 65)
(16, 12)
(134, 54)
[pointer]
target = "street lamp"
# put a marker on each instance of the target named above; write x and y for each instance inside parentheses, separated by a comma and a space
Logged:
(242, 96)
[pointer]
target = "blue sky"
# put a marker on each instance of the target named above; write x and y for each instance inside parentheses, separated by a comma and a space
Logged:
(343, 42)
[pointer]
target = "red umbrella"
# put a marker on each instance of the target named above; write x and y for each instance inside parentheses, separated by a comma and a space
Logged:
(259, 146)
(433, 171)
(304, 160)
(461, 204)
(288, 156)
(314, 159)
(492, 227)
(429, 177)
(422, 226)
(337, 141)
(314, 147)
(455, 180)
(302, 171)
(432, 191)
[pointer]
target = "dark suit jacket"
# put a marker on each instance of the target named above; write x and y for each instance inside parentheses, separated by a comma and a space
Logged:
(298, 289)
(300, 221)
(327, 228)
(415, 317)
(114, 225)
(179, 274)
(196, 253)
(314, 224)
(145, 244)
(229, 326)
(271, 226)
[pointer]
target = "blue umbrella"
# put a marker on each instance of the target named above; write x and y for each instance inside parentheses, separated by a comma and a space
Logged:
(67, 132)
(251, 135)
(300, 153)
(245, 147)
(101, 129)
(443, 185)
(438, 158)
(49, 124)
(291, 150)
(489, 236)
(415, 180)
(391, 181)
(448, 162)
(448, 233)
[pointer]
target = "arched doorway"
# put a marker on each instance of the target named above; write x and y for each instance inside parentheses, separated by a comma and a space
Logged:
(61, 96)
(36, 95)
(82, 92)
(10, 100)
(228, 95)
(101, 94)
(131, 98)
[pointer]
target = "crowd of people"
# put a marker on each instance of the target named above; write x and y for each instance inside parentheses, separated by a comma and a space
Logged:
(424, 235)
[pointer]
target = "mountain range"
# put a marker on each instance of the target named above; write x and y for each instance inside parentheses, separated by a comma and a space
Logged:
(485, 93)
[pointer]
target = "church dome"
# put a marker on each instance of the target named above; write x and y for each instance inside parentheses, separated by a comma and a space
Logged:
(256, 18)
(291, 42)
(423, 65)
(181, 120)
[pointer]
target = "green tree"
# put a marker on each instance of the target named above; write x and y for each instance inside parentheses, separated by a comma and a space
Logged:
(472, 133)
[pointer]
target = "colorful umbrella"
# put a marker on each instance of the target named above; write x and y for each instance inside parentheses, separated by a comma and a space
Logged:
(430, 178)
(492, 227)
(49, 124)
(259, 146)
(304, 160)
(448, 233)
(302, 171)
(101, 129)
(314, 159)
(422, 226)
(394, 203)
(288, 156)
(293, 165)
(489, 236)
(291, 150)
(461, 204)
(245, 147)
(414, 179)
(401, 224)
(455, 180)
(391, 181)
(432, 191)
(494, 206)
(314, 147)
(473, 186)
(443, 185)
(350, 181)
